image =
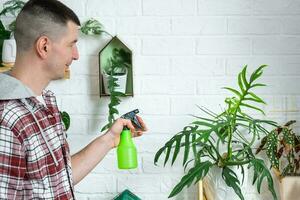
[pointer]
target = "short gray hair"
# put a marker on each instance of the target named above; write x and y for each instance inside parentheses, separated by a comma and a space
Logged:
(42, 18)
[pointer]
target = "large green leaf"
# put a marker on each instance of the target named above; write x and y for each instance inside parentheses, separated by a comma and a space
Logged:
(240, 82)
(66, 119)
(252, 107)
(260, 173)
(257, 73)
(258, 85)
(233, 90)
(92, 27)
(244, 71)
(175, 142)
(271, 149)
(198, 172)
(257, 98)
(232, 181)
(186, 148)
(176, 150)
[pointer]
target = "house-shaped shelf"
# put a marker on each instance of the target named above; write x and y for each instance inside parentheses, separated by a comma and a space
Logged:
(104, 59)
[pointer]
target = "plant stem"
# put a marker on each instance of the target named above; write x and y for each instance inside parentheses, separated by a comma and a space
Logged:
(233, 123)
(248, 145)
(232, 163)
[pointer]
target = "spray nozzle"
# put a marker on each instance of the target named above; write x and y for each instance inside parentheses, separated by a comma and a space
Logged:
(132, 116)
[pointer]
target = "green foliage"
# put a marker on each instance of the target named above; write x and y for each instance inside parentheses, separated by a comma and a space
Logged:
(116, 66)
(92, 27)
(196, 173)
(260, 173)
(66, 119)
(12, 7)
(114, 101)
(232, 181)
(4, 34)
(119, 62)
(203, 140)
(282, 147)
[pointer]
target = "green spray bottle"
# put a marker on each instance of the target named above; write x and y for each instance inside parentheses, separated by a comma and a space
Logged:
(126, 150)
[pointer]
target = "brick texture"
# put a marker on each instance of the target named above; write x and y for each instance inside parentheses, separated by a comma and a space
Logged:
(184, 52)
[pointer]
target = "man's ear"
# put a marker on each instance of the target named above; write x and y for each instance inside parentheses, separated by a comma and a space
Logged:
(42, 46)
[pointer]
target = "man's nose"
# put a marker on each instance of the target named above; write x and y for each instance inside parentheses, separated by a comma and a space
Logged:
(75, 53)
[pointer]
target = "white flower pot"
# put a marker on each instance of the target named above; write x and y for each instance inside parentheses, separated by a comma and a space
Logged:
(122, 79)
(289, 188)
(9, 51)
(213, 186)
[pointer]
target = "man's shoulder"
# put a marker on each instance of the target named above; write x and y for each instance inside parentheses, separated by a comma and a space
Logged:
(10, 110)
(9, 105)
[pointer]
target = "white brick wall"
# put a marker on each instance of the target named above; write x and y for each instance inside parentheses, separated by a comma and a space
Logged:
(184, 52)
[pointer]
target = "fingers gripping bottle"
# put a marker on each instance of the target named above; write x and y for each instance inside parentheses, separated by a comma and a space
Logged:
(126, 150)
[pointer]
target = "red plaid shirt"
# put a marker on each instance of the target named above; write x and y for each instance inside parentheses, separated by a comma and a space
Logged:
(27, 168)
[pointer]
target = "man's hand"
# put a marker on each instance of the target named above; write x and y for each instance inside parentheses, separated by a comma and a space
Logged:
(117, 127)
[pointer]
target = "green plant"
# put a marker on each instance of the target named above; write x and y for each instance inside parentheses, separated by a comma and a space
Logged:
(114, 100)
(231, 129)
(93, 27)
(65, 119)
(118, 63)
(282, 147)
(12, 7)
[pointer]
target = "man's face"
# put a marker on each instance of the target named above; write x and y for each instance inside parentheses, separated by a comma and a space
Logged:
(63, 52)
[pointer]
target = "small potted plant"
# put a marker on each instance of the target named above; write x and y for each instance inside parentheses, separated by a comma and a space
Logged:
(115, 71)
(282, 147)
(7, 41)
(223, 141)
(114, 100)
(117, 67)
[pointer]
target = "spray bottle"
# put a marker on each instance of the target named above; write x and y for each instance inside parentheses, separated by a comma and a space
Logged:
(126, 151)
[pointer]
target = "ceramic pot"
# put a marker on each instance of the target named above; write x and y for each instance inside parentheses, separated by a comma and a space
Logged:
(289, 188)
(121, 81)
(9, 50)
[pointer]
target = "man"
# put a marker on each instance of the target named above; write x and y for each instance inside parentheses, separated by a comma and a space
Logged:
(34, 154)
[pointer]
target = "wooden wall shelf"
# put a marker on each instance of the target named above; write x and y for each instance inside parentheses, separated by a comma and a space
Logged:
(4, 69)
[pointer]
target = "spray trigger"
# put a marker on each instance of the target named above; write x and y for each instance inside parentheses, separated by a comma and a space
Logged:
(132, 116)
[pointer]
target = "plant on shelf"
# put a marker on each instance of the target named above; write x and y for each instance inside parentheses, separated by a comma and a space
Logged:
(117, 66)
(233, 130)
(93, 27)
(10, 8)
(119, 63)
(114, 101)
(115, 70)
(282, 147)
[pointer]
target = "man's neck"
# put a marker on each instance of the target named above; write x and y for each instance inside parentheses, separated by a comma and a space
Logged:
(31, 76)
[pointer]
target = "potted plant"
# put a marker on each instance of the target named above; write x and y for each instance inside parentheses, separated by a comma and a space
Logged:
(117, 67)
(221, 141)
(282, 147)
(114, 73)
(65, 117)
(112, 83)
(7, 41)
